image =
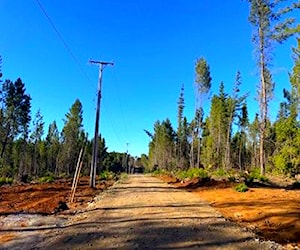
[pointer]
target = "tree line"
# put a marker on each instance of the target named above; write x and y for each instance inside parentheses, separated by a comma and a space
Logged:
(225, 138)
(27, 152)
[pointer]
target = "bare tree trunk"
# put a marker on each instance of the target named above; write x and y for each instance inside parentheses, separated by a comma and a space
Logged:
(228, 151)
(263, 103)
(192, 150)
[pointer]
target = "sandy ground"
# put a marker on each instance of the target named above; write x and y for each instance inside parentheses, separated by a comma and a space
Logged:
(141, 212)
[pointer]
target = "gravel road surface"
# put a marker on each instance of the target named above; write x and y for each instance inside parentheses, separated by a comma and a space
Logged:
(141, 212)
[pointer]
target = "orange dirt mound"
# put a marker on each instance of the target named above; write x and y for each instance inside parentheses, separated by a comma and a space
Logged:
(46, 198)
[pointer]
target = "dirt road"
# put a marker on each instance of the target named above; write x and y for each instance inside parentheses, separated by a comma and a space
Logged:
(138, 213)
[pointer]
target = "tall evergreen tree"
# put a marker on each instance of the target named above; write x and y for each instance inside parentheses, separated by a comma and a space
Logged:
(162, 146)
(295, 77)
(202, 85)
(38, 163)
(71, 139)
(181, 142)
(268, 28)
(14, 123)
(234, 103)
(53, 147)
(15, 112)
(287, 138)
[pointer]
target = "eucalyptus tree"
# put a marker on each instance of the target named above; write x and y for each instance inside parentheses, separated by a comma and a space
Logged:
(266, 18)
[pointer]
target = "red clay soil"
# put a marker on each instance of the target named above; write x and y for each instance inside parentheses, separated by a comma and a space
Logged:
(273, 213)
(47, 198)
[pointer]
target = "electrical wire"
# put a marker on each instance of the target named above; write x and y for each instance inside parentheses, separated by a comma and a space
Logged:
(80, 68)
(62, 40)
(121, 141)
(115, 84)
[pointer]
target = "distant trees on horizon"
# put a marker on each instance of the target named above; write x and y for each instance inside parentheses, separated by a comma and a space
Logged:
(26, 152)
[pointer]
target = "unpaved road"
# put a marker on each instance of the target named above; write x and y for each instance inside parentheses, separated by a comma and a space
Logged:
(138, 213)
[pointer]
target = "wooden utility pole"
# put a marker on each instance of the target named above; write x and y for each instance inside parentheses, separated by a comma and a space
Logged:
(95, 144)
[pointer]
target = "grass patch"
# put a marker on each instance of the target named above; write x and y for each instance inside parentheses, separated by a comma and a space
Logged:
(242, 188)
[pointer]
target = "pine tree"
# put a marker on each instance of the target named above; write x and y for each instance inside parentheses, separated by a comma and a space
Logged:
(162, 146)
(269, 28)
(38, 165)
(14, 123)
(180, 135)
(71, 139)
(295, 78)
(53, 147)
(202, 86)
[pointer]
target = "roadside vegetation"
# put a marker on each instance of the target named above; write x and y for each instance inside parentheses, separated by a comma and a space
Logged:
(30, 152)
(221, 140)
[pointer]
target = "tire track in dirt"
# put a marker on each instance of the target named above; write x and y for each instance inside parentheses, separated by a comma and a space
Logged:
(143, 212)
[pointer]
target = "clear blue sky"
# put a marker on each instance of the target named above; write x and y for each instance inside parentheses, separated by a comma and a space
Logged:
(154, 45)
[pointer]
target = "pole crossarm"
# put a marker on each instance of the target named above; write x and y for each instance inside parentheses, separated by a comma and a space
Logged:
(100, 62)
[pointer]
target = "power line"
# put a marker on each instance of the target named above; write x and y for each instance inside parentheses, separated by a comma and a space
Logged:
(62, 40)
(108, 115)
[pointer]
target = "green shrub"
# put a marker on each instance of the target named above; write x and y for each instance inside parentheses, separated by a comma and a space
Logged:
(192, 173)
(6, 180)
(255, 175)
(46, 179)
(124, 176)
(106, 175)
(231, 179)
(220, 172)
(242, 187)
(158, 171)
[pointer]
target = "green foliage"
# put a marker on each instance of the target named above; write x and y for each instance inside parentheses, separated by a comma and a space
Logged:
(46, 179)
(231, 179)
(242, 188)
(106, 175)
(6, 180)
(72, 139)
(162, 146)
(191, 173)
(123, 176)
(256, 175)
(158, 172)
(203, 78)
(220, 172)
